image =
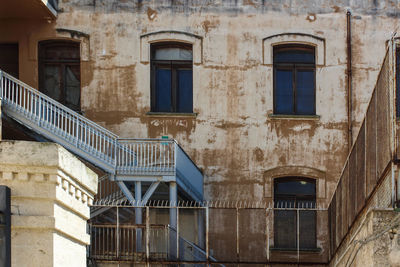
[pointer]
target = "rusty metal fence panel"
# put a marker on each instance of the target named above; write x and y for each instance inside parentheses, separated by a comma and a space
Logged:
(218, 235)
(383, 197)
(371, 145)
(383, 117)
(352, 186)
(360, 161)
(368, 161)
(339, 213)
(345, 198)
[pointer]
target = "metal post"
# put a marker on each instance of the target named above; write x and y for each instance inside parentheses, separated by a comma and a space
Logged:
(177, 233)
(266, 235)
(298, 235)
(117, 232)
(237, 235)
(138, 215)
(207, 240)
(173, 195)
(147, 235)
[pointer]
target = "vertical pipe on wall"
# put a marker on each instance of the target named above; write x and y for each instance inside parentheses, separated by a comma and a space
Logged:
(349, 81)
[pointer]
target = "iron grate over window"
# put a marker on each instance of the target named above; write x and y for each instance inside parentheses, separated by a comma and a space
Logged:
(294, 221)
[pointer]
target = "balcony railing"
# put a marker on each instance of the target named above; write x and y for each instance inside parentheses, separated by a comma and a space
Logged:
(156, 157)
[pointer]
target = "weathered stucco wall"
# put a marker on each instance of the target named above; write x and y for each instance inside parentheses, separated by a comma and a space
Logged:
(233, 138)
(373, 238)
(50, 193)
(373, 243)
(232, 87)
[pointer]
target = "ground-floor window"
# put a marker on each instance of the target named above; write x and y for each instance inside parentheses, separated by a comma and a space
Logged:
(292, 220)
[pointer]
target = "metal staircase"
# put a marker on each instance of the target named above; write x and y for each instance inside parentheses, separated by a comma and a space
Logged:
(124, 160)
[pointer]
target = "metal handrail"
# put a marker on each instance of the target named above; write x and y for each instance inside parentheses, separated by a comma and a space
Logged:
(49, 99)
(57, 119)
(194, 246)
(93, 142)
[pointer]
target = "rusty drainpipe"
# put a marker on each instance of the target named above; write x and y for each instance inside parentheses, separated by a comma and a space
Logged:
(349, 82)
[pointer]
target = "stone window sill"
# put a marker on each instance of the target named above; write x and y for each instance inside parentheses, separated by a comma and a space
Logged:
(171, 114)
(293, 117)
(311, 250)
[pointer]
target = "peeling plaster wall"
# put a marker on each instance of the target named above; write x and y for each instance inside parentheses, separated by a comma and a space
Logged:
(371, 245)
(232, 88)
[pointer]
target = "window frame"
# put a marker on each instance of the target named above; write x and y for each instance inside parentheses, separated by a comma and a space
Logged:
(294, 67)
(174, 66)
(295, 198)
(62, 64)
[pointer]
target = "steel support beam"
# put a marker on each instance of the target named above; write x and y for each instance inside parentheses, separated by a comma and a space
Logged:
(138, 215)
(150, 192)
(126, 191)
(173, 199)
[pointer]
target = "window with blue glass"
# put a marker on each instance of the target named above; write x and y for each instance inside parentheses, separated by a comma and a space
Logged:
(171, 78)
(294, 80)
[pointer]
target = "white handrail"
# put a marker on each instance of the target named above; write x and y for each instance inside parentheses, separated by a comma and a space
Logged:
(94, 143)
(57, 119)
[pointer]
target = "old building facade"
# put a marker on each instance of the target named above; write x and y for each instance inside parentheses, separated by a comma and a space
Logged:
(261, 95)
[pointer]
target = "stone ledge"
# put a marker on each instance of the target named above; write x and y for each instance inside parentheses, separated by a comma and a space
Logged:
(67, 183)
(32, 222)
(45, 155)
(40, 223)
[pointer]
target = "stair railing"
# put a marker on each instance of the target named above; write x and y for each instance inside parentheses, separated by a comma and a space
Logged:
(57, 119)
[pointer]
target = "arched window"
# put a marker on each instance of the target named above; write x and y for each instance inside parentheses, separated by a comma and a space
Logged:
(294, 79)
(293, 197)
(171, 77)
(59, 72)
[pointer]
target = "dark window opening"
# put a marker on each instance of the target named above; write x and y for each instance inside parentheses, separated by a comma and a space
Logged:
(9, 59)
(171, 78)
(398, 82)
(291, 193)
(59, 72)
(294, 80)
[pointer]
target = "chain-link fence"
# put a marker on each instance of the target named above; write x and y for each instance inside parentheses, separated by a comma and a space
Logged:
(367, 172)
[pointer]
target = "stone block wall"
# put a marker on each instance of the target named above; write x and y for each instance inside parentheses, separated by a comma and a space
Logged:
(50, 193)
